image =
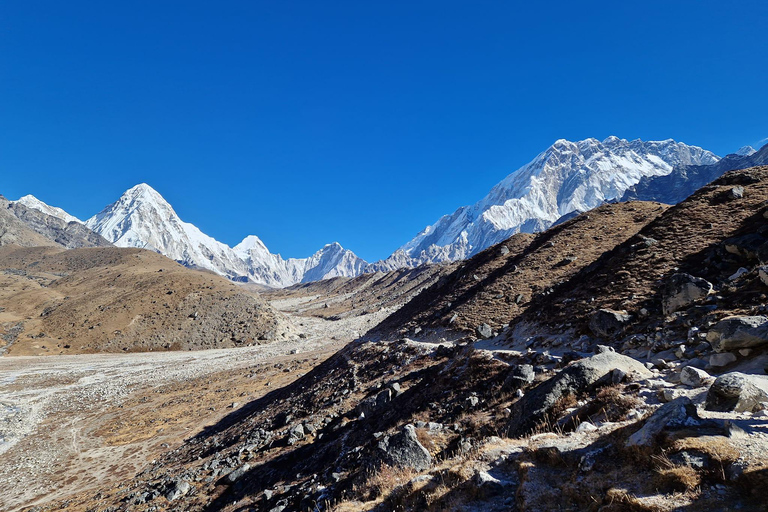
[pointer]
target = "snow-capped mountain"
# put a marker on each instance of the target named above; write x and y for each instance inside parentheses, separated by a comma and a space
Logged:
(746, 151)
(567, 177)
(143, 218)
(31, 201)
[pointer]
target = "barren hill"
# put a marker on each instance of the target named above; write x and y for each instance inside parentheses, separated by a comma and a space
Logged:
(111, 299)
(498, 284)
(686, 238)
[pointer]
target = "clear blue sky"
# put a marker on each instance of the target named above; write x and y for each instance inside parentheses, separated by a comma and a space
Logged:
(353, 121)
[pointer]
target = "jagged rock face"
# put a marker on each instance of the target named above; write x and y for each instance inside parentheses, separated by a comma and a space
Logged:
(685, 180)
(14, 231)
(142, 218)
(568, 177)
(71, 234)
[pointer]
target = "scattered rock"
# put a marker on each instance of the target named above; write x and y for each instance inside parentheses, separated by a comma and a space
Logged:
(737, 392)
(682, 290)
(235, 475)
(678, 412)
(405, 450)
(724, 359)
(736, 192)
(519, 376)
(746, 246)
(484, 331)
(177, 489)
(695, 378)
(738, 332)
(607, 322)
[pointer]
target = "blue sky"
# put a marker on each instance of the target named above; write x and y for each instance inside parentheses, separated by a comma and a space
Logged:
(357, 122)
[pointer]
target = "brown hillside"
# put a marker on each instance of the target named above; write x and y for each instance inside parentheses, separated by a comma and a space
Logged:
(499, 283)
(683, 239)
(342, 296)
(110, 299)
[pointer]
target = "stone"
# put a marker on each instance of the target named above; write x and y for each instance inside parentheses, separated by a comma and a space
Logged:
(487, 484)
(608, 322)
(691, 458)
(484, 331)
(682, 290)
(695, 377)
(586, 426)
(724, 359)
(504, 250)
(746, 246)
(762, 272)
(237, 474)
(677, 413)
(736, 192)
(405, 451)
(737, 392)
(472, 401)
(579, 376)
(738, 274)
(296, 434)
(177, 489)
(735, 332)
(518, 377)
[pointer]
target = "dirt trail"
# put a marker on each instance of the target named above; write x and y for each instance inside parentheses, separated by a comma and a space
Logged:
(73, 423)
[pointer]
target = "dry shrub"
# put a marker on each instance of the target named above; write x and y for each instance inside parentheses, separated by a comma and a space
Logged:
(621, 500)
(387, 479)
(677, 479)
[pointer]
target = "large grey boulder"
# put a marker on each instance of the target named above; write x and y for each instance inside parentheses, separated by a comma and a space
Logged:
(608, 322)
(679, 412)
(519, 376)
(683, 290)
(736, 332)
(695, 377)
(405, 451)
(579, 376)
(737, 392)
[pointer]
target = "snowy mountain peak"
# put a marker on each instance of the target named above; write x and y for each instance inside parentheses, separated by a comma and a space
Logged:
(566, 177)
(746, 151)
(143, 218)
(31, 201)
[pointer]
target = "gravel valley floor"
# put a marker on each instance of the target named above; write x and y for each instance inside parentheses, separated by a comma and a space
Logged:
(69, 424)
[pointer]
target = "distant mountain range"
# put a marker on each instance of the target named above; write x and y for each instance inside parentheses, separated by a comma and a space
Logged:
(566, 179)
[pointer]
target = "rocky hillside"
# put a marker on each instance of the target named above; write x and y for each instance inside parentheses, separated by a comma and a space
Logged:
(29, 227)
(498, 284)
(657, 406)
(57, 301)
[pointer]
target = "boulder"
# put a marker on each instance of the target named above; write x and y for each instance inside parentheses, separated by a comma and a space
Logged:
(737, 332)
(519, 376)
(579, 376)
(695, 378)
(405, 451)
(177, 489)
(737, 392)
(745, 246)
(608, 322)
(682, 290)
(484, 331)
(723, 359)
(677, 413)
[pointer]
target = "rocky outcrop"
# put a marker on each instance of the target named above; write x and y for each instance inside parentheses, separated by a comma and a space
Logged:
(683, 290)
(71, 235)
(738, 392)
(404, 450)
(607, 322)
(678, 412)
(737, 332)
(578, 377)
